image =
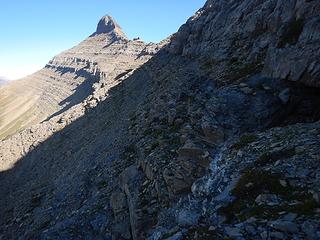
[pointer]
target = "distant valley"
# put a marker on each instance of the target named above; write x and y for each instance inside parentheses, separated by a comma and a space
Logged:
(2, 80)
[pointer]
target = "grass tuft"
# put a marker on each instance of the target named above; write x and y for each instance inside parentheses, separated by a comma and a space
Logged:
(244, 141)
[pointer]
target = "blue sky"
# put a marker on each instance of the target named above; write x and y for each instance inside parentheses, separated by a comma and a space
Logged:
(33, 31)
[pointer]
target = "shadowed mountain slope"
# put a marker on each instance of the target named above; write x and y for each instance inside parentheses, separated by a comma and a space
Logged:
(210, 136)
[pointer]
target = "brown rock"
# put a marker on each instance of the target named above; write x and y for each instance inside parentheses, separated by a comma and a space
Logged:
(214, 134)
(118, 202)
(128, 175)
(190, 150)
(175, 181)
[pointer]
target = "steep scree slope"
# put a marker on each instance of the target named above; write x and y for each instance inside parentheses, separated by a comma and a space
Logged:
(215, 136)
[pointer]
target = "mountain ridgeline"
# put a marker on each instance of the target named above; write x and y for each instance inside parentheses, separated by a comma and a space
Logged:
(212, 133)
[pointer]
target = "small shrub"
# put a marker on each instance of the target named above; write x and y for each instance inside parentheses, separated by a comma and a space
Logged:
(154, 146)
(102, 184)
(244, 141)
(239, 70)
(207, 64)
(270, 157)
(264, 159)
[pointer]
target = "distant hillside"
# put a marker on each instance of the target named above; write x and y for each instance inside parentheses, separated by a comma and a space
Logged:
(71, 77)
(2, 80)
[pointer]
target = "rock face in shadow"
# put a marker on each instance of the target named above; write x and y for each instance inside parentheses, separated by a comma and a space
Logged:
(198, 137)
(283, 35)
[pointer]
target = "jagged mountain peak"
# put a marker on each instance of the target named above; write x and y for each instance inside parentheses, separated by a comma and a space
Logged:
(107, 25)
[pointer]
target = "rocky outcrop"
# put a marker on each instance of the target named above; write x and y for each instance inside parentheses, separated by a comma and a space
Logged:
(242, 35)
(206, 135)
(108, 26)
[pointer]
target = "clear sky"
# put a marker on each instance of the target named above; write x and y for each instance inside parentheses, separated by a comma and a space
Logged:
(33, 31)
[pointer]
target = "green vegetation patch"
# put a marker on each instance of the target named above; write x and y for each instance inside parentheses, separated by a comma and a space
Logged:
(207, 64)
(203, 233)
(102, 184)
(255, 182)
(242, 70)
(244, 141)
(271, 157)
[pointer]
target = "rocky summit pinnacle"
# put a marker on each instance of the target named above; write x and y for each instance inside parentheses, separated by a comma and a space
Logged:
(107, 25)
